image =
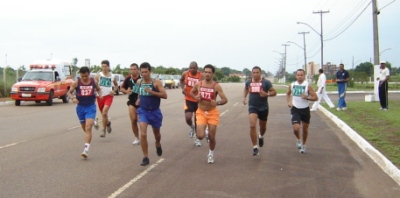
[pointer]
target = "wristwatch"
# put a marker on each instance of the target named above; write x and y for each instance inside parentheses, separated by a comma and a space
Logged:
(218, 103)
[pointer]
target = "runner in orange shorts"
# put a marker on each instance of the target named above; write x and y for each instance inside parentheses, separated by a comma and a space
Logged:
(207, 114)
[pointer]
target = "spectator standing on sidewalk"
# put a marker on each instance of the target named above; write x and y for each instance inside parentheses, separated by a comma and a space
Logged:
(342, 77)
(321, 92)
(384, 76)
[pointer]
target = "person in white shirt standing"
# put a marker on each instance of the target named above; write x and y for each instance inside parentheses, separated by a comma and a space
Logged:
(297, 97)
(383, 78)
(321, 92)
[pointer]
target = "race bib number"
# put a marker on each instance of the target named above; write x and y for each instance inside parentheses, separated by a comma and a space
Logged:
(105, 82)
(142, 89)
(298, 90)
(206, 93)
(255, 87)
(135, 88)
(192, 81)
(86, 90)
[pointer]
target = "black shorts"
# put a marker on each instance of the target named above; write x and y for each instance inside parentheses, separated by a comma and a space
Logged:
(262, 115)
(132, 103)
(300, 115)
(191, 106)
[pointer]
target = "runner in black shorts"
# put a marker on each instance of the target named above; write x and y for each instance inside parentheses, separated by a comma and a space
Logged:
(130, 87)
(301, 93)
(258, 89)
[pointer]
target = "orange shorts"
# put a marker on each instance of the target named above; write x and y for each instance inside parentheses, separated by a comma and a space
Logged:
(107, 100)
(207, 117)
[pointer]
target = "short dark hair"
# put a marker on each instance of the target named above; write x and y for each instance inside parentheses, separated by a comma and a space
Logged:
(257, 67)
(145, 65)
(321, 71)
(193, 63)
(106, 62)
(301, 70)
(209, 66)
(341, 64)
(135, 65)
(84, 69)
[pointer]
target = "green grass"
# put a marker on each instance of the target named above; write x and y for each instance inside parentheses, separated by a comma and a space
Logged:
(379, 128)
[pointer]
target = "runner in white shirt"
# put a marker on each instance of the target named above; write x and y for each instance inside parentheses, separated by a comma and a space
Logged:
(321, 92)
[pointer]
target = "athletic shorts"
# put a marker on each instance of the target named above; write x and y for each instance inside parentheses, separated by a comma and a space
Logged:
(262, 115)
(207, 117)
(107, 101)
(86, 112)
(153, 118)
(299, 115)
(191, 106)
(132, 103)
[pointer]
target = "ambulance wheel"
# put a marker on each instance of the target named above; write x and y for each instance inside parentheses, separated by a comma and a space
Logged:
(37, 101)
(49, 102)
(17, 102)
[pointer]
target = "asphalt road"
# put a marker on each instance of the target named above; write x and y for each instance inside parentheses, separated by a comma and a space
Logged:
(40, 149)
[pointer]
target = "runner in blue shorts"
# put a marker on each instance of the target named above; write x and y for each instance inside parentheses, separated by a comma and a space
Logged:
(150, 93)
(85, 100)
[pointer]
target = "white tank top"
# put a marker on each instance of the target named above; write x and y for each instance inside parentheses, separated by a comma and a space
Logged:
(106, 83)
(297, 91)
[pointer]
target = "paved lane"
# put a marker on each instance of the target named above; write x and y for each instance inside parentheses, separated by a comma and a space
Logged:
(47, 162)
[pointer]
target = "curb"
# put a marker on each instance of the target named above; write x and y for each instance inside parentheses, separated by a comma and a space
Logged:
(387, 166)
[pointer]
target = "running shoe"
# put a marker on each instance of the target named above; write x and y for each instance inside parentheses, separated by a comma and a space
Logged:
(298, 144)
(109, 127)
(145, 161)
(159, 150)
(85, 153)
(208, 139)
(344, 108)
(197, 142)
(210, 159)
(255, 151)
(303, 149)
(96, 124)
(191, 132)
(104, 134)
(136, 142)
(261, 141)
(338, 109)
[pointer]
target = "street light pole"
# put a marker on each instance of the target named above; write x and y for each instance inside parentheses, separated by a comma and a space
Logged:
(284, 66)
(322, 38)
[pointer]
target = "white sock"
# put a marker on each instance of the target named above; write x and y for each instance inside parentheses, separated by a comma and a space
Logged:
(255, 146)
(260, 136)
(211, 152)
(87, 145)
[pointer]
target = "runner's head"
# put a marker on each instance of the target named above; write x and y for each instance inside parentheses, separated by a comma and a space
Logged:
(84, 73)
(193, 68)
(209, 72)
(134, 69)
(256, 73)
(105, 66)
(300, 73)
(321, 71)
(145, 70)
(341, 67)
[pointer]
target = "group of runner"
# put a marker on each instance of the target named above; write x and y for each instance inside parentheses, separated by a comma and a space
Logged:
(200, 107)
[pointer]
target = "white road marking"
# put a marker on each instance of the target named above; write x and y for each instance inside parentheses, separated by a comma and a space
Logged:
(223, 112)
(127, 185)
(13, 144)
(72, 128)
(235, 104)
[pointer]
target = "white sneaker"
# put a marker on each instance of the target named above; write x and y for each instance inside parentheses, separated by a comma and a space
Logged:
(96, 123)
(338, 109)
(197, 142)
(344, 108)
(298, 144)
(136, 142)
(85, 153)
(303, 149)
(210, 159)
(191, 132)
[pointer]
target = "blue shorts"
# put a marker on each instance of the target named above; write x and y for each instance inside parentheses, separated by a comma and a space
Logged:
(86, 112)
(153, 118)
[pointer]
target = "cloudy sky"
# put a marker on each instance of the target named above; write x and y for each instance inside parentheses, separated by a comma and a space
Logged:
(236, 34)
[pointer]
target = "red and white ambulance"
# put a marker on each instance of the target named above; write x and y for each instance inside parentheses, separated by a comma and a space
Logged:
(46, 79)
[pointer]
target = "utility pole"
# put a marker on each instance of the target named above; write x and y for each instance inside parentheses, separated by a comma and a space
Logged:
(4, 78)
(305, 51)
(322, 37)
(375, 13)
(284, 64)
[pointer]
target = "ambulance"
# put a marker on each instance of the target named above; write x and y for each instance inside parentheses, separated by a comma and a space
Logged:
(45, 80)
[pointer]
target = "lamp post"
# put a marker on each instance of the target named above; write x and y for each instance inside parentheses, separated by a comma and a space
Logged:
(282, 65)
(380, 53)
(322, 41)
